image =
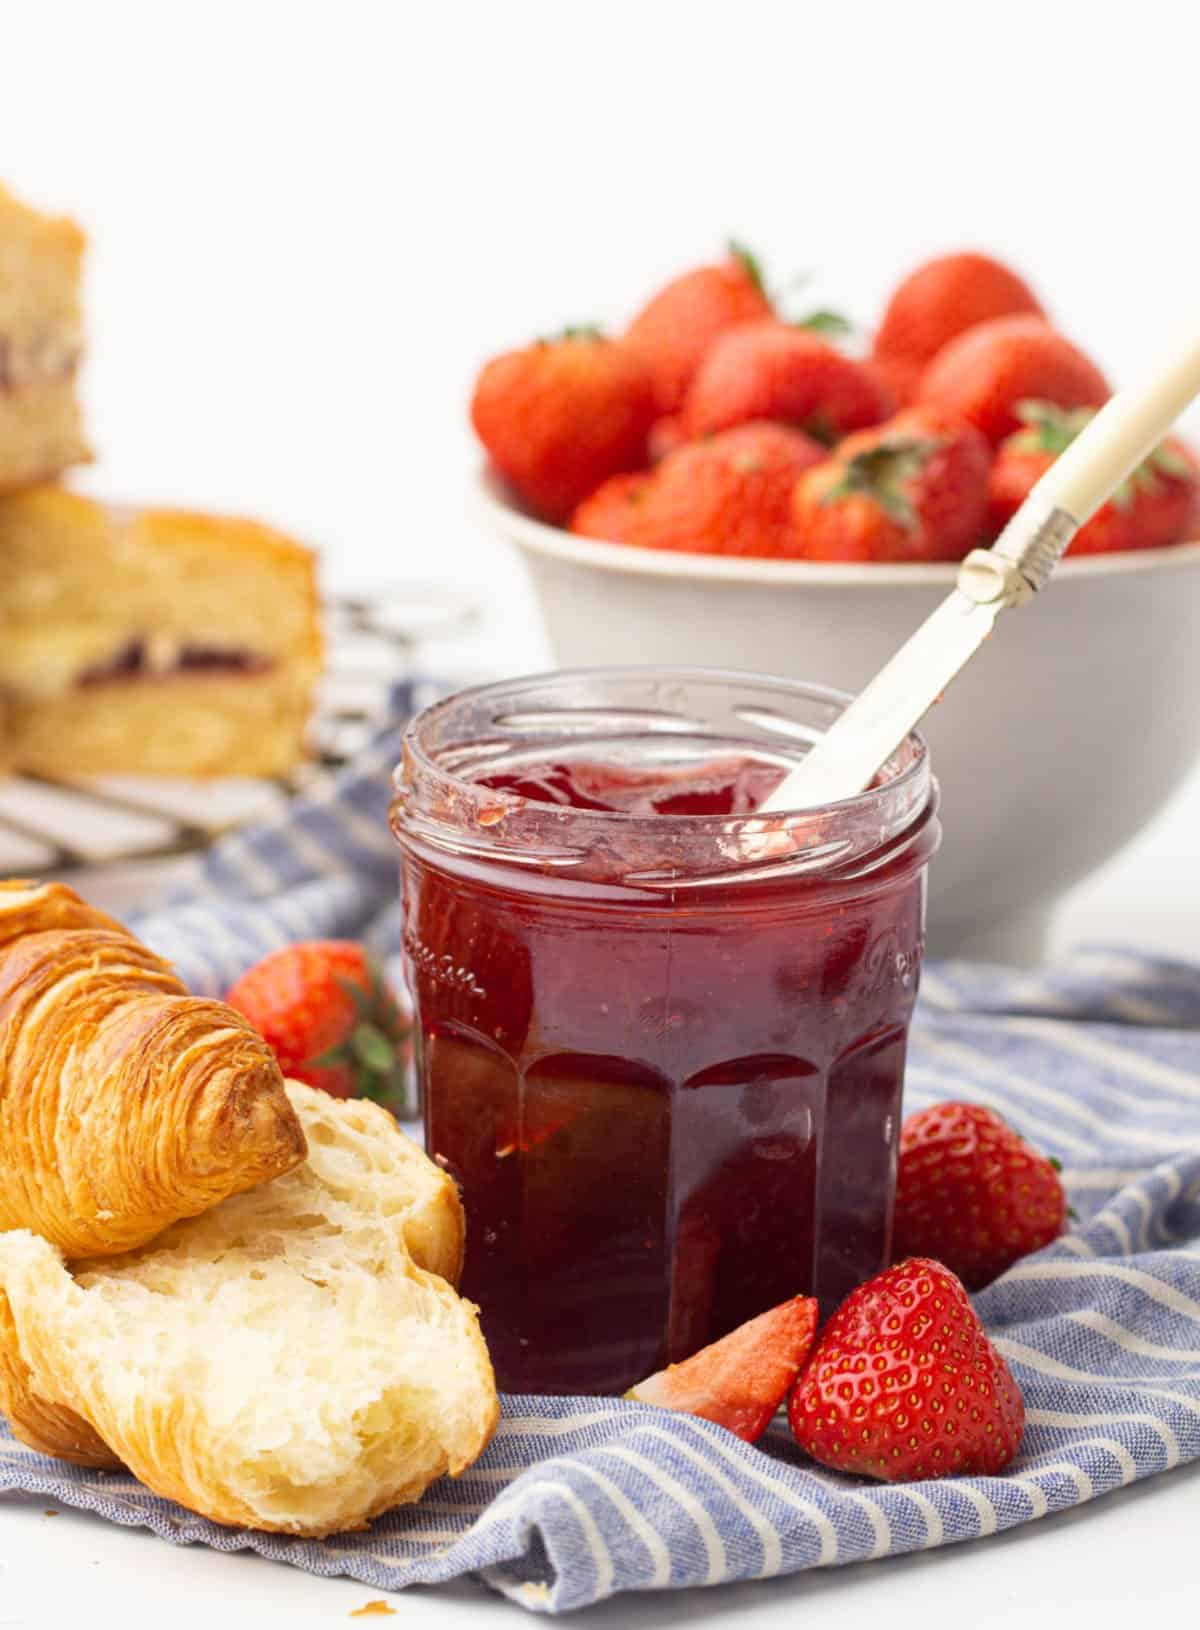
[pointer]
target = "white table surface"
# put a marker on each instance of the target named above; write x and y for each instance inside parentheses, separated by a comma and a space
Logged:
(1133, 1552)
(308, 226)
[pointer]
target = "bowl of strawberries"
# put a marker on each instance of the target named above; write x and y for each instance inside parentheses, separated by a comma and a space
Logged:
(724, 485)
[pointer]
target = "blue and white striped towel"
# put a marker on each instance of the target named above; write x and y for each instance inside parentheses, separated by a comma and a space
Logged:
(576, 1499)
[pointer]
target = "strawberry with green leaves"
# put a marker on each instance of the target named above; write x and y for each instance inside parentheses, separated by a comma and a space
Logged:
(987, 370)
(903, 1383)
(324, 1010)
(912, 489)
(1156, 506)
(676, 328)
(973, 1193)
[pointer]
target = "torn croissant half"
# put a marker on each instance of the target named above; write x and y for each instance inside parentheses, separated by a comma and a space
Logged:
(282, 1361)
(125, 1103)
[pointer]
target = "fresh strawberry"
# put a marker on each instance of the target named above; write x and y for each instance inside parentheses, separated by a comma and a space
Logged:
(561, 416)
(1156, 506)
(726, 495)
(904, 1384)
(740, 1381)
(667, 435)
(913, 489)
(1168, 504)
(984, 373)
(328, 1017)
(615, 510)
(937, 303)
(772, 370)
(676, 329)
(1166, 497)
(972, 1193)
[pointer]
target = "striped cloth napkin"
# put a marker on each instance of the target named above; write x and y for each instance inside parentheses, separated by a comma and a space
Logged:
(1098, 1061)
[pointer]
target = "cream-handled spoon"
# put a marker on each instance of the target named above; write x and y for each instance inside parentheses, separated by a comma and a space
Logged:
(846, 759)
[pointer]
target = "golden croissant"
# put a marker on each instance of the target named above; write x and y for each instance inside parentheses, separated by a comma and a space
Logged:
(125, 1103)
(51, 1429)
(285, 1360)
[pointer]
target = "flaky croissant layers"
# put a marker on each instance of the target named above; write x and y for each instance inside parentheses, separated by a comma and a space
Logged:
(271, 1340)
(125, 1103)
(295, 1359)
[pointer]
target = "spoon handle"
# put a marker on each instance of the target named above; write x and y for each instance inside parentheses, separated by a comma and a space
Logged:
(1128, 427)
(1087, 473)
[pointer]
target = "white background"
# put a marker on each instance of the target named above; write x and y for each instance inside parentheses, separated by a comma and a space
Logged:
(310, 223)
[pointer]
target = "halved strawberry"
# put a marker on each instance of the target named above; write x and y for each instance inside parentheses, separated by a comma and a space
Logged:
(740, 1381)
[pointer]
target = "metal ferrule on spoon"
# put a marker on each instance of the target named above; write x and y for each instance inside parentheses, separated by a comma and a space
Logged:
(1126, 430)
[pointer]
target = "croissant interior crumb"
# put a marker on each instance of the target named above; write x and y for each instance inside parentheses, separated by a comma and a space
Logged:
(282, 1353)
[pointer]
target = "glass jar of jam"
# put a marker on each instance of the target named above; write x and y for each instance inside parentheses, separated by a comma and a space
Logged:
(660, 1038)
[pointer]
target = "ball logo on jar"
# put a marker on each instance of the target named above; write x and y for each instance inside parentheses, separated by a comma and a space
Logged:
(442, 969)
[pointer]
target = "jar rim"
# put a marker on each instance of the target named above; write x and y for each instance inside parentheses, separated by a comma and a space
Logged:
(440, 800)
(916, 770)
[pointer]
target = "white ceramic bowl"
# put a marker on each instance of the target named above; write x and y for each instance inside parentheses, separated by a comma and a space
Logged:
(1068, 731)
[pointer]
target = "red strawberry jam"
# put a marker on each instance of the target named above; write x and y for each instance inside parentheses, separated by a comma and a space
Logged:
(662, 1056)
(727, 787)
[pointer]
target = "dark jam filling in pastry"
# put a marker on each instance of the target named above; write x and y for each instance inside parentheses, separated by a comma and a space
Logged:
(132, 662)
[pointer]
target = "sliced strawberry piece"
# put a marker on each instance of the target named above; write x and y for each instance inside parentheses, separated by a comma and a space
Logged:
(740, 1381)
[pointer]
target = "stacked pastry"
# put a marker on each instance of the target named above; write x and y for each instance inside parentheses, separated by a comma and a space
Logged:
(131, 641)
(237, 1287)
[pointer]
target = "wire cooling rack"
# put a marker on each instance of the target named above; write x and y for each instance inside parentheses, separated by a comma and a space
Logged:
(61, 825)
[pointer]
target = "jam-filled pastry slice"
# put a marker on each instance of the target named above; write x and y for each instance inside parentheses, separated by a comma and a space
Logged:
(153, 641)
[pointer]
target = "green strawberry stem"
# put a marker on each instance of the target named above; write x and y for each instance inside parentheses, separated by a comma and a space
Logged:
(372, 1048)
(823, 321)
(376, 1049)
(573, 331)
(749, 263)
(1051, 429)
(880, 473)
